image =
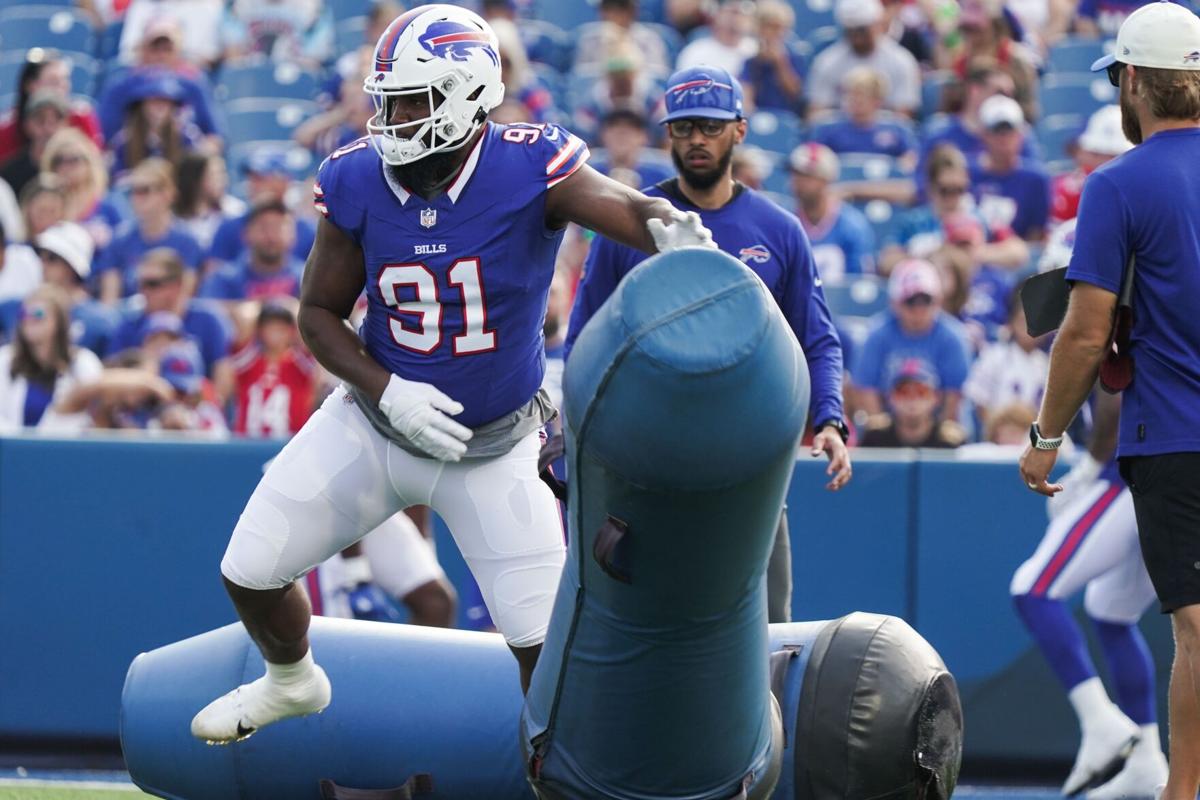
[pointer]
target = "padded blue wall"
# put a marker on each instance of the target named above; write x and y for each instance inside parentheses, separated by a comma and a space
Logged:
(111, 547)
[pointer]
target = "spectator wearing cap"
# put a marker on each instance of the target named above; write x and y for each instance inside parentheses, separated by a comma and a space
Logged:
(773, 78)
(41, 365)
(913, 329)
(1101, 141)
(1010, 191)
(153, 125)
(1010, 370)
(963, 129)
(160, 55)
(276, 377)
(202, 199)
(842, 240)
(269, 267)
(268, 179)
(730, 41)
(160, 279)
(863, 126)
(66, 253)
(199, 21)
(151, 193)
(78, 165)
(625, 156)
(914, 397)
(194, 406)
(45, 113)
(864, 44)
(626, 84)
(619, 21)
(20, 272)
(44, 70)
(920, 231)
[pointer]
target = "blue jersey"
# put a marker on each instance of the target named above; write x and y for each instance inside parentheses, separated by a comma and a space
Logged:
(969, 142)
(128, 246)
(240, 281)
(843, 243)
(203, 321)
(457, 286)
(887, 136)
(1145, 203)
(943, 350)
(228, 245)
(768, 240)
(1018, 199)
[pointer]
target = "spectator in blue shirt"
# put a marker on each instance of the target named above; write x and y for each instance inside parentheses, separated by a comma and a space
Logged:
(914, 329)
(842, 239)
(773, 79)
(66, 253)
(160, 283)
(863, 126)
(1010, 191)
(268, 267)
(153, 125)
(160, 54)
(625, 157)
(267, 181)
(151, 193)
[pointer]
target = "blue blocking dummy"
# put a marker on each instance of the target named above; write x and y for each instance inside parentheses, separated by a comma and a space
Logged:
(685, 395)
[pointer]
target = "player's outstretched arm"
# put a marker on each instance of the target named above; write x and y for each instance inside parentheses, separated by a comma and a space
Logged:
(610, 208)
(333, 280)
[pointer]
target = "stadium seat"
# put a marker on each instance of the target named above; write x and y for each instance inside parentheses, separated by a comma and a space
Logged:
(1056, 131)
(347, 9)
(64, 29)
(567, 15)
(350, 34)
(671, 38)
(109, 44)
(83, 73)
(555, 83)
(652, 11)
(258, 120)
(300, 162)
(860, 296)
(1075, 93)
(546, 43)
(1075, 54)
(779, 179)
(774, 131)
(932, 86)
(812, 14)
(822, 37)
(268, 79)
(869, 167)
(883, 217)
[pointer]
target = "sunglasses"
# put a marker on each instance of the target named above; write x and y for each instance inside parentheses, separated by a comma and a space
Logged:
(912, 390)
(1114, 71)
(951, 191)
(683, 128)
(154, 283)
(919, 301)
(63, 160)
(38, 313)
(143, 188)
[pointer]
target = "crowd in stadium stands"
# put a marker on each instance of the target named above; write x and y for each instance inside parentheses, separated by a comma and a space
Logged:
(155, 157)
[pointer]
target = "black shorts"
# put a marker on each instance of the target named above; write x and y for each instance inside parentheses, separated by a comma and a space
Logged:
(1166, 500)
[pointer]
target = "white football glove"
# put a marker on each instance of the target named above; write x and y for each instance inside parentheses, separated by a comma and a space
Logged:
(685, 230)
(419, 411)
(1074, 483)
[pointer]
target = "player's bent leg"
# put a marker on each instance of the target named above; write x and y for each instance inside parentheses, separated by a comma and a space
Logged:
(325, 490)
(507, 526)
(404, 564)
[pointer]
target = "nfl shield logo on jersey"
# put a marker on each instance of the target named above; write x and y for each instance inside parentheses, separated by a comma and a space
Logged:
(429, 218)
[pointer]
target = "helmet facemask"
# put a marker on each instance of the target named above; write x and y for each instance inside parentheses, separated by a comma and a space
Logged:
(452, 119)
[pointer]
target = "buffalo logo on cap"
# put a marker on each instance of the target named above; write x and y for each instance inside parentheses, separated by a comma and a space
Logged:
(455, 41)
(697, 87)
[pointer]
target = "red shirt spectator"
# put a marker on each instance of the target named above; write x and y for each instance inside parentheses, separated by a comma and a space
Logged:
(44, 71)
(1101, 141)
(276, 377)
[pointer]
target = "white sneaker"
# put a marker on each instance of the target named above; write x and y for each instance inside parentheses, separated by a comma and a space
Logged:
(1142, 778)
(237, 715)
(1102, 750)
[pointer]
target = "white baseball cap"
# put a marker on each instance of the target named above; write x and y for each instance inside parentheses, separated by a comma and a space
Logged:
(857, 13)
(1103, 134)
(1161, 35)
(813, 158)
(999, 110)
(71, 243)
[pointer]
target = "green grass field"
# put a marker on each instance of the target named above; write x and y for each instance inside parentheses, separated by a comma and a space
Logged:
(42, 791)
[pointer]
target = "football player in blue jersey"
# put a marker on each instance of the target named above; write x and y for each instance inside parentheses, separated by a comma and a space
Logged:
(705, 122)
(451, 225)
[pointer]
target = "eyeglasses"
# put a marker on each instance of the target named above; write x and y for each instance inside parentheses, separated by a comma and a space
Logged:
(143, 188)
(1114, 73)
(951, 191)
(683, 128)
(65, 159)
(919, 300)
(154, 283)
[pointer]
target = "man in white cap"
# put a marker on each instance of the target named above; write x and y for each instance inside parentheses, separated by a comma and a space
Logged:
(1139, 217)
(864, 44)
(1099, 143)
(66, 252)
(842, 240)
(1010, 191)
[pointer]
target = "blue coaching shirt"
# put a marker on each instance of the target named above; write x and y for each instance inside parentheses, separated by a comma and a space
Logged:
(456, 286)
(769, 241)
(1147, 203)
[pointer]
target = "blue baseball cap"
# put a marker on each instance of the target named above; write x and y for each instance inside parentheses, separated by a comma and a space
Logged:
(703, 92)
(181, 367)
(267, 161)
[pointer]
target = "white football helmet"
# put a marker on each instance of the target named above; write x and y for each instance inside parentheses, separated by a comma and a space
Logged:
(450, 55)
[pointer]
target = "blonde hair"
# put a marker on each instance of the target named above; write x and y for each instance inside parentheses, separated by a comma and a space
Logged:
(776, 11)
(1019, 415)
(865, 78)
(156, 169)
(1171, 93)
(71, 140)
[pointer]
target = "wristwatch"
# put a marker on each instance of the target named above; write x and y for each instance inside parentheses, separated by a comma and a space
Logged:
(838, 425)
(1035, 439)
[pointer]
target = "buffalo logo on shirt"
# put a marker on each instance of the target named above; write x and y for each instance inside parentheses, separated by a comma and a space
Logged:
(758, 254)
(455, 41)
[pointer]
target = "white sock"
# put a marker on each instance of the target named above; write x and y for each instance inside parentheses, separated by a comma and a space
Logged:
(286, 675)
(356, 570)
(1150, 742)
(1091, 703)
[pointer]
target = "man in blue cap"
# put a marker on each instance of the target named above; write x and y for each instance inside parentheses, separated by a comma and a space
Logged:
(1136, 261)
(705, 122)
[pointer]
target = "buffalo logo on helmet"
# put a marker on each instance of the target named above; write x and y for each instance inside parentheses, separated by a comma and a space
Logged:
(757, 253)
(455, 41)
(697, 87)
